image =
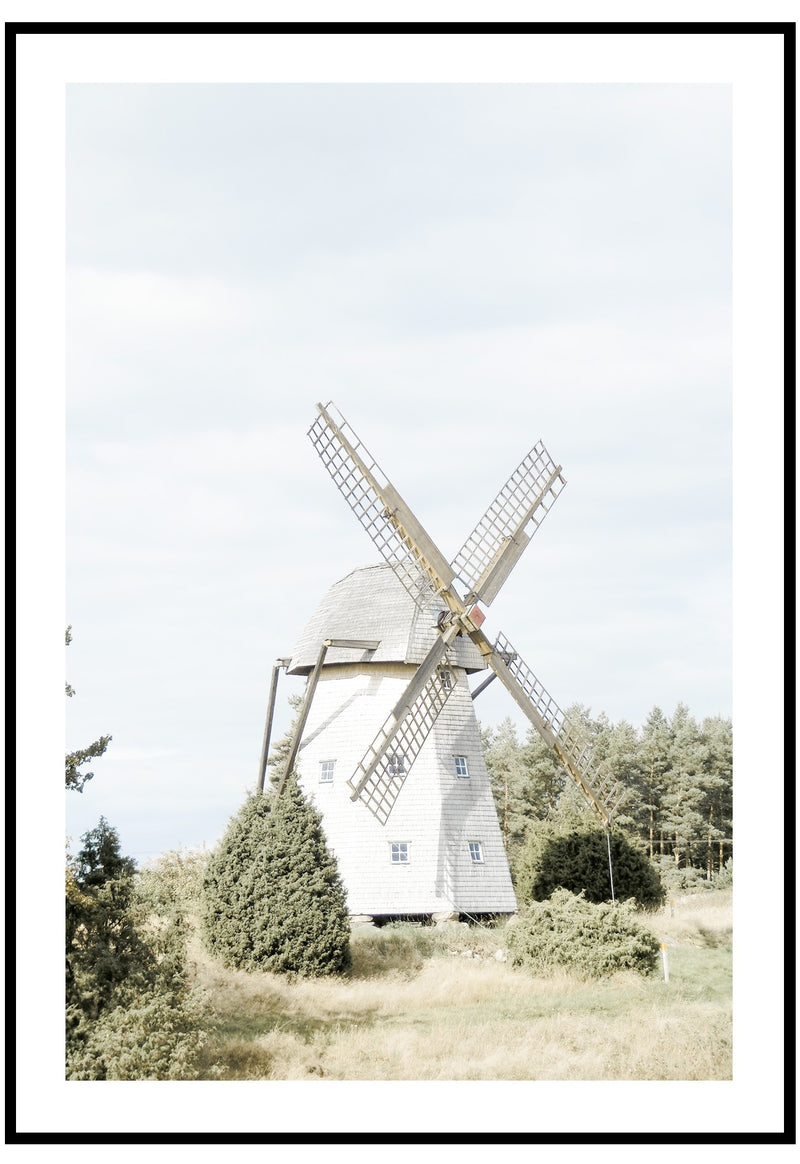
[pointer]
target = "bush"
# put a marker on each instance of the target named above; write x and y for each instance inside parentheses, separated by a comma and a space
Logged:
(578, 861)
(273, 897)
(569, 932)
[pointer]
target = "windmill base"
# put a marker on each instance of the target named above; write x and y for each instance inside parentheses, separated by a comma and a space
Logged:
(377, 921)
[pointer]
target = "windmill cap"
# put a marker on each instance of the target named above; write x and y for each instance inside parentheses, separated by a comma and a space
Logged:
(372, 604)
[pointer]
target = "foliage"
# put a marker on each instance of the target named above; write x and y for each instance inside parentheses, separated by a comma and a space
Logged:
(279, 752)
(132, 1012)
(591, 940)
(677, 775)
(273, 897)
(682, 878)
(74, 778)
(577, 860)
(724, 878)
(173, 884)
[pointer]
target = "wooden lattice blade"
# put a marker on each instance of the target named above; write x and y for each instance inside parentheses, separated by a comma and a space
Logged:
(495, 545)
(601, 790)
(383, 770)
(398, 535)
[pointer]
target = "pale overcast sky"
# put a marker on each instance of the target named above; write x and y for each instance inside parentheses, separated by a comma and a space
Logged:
(462, 269)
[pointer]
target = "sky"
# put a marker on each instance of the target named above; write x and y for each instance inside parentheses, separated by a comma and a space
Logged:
(464, 270)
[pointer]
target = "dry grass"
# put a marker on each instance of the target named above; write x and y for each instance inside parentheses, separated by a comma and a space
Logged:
(428, 1004)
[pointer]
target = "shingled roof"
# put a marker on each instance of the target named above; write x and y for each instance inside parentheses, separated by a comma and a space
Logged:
(371, 603)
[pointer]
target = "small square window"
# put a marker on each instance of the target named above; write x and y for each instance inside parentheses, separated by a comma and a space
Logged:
(397, 764)
(475, 852)
(326, 771)
(400, 855)
(446, 678)
(462, 769)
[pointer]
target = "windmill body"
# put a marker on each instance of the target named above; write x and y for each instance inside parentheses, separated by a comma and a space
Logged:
(388, 710)
(441, 851)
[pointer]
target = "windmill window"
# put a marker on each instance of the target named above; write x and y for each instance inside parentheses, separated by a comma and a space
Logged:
(326, 771)
(462, 768)
(397, 764)
(446, 679)
(400, 853)
(475, 852)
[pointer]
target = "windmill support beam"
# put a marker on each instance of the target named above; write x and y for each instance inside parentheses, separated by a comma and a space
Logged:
(482, 686)
(262, 767)
(311, 686)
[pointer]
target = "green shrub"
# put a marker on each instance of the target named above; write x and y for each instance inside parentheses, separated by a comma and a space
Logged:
(577, 860)
(591, 940)
(273, 897)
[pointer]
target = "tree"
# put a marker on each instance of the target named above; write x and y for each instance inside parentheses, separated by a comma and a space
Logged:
(74, 777)
(578, 860)
(718, 787)
(131, 1009)
(132, 1012)
(653, 761)
(682, 798)
(273, 897)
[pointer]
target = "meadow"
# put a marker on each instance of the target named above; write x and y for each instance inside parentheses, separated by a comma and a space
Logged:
(441, 1003)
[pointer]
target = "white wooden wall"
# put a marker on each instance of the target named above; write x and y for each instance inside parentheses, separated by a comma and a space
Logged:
(436, 814)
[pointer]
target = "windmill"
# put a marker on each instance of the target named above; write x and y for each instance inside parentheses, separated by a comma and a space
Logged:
(386, 657)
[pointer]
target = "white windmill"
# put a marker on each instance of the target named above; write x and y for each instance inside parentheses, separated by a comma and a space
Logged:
(387, 706)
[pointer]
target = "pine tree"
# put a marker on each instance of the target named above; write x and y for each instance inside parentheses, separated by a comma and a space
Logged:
(682, 799)
(718, 785)
(273, 897)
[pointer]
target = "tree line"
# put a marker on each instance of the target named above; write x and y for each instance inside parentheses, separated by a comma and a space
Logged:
(677, 775)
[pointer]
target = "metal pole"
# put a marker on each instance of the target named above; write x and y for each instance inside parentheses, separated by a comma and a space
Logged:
(610, 870)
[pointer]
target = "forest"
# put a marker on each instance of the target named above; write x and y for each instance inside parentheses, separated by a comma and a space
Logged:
(677, 774)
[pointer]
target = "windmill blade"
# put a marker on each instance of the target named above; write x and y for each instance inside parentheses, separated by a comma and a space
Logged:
(381, 774)
(495, 545)
(385, 765)
(399, 537)
(602, 791)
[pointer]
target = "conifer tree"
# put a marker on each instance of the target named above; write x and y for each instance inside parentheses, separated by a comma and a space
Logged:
(273, 897)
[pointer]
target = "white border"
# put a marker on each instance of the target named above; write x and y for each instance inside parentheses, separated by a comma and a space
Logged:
(753, 65)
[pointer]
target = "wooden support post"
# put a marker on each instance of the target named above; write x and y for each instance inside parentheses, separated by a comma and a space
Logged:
(482, 686)
(311, 686)
(262, 767)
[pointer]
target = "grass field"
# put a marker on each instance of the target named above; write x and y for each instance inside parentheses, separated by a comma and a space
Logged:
(425, 1003)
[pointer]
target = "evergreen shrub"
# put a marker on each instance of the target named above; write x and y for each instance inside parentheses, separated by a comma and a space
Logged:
(591, 940)
(273, 897)
(577, 860)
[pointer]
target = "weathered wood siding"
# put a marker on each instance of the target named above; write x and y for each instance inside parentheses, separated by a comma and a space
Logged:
(437, 813)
